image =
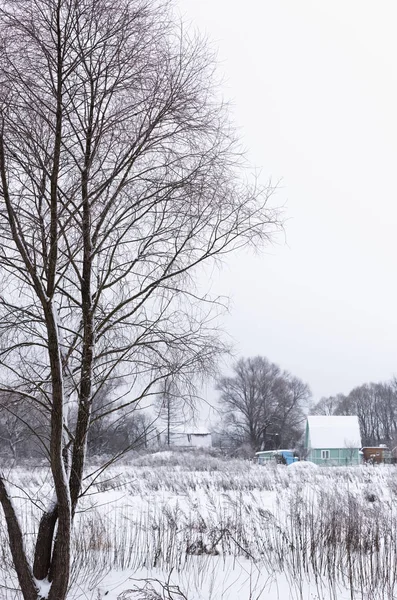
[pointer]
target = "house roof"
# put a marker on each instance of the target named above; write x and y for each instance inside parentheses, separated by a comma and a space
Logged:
(192, 431)
(334, 432)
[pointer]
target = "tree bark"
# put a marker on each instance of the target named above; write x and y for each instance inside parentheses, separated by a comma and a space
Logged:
(60, 565)
(24, 573)
(43, 548)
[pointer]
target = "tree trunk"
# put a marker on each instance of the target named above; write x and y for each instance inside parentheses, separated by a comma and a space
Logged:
(24, 573)
(43, 549)
(60, 564)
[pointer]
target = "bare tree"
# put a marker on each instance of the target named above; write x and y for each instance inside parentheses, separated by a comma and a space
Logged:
(16, 421)
(171, 411)
(262, 404)
(248, 399)
(292, 396)
(351, 450)
(119, 177)
(125, 429)
(328, 405)
(375, 404)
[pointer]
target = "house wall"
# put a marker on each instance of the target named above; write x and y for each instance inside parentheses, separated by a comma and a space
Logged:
(190, 439)
(337, 456)
(201, 441)
(178, 439)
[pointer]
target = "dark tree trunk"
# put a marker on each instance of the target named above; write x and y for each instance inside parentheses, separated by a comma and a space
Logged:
(24, 573)
(43, 548)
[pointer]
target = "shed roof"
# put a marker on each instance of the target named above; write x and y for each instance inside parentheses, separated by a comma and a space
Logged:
(278, 450)
(191, 431)
(334, 432)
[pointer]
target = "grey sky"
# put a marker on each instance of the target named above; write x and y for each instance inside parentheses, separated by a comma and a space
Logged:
(314, 88)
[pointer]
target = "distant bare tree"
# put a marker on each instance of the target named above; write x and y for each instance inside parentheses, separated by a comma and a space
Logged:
(329, 405)
(122, 430)
(119, 178)
(375, 404)
(22, 426)
(263, 405)
(351, 449)
(14, 429)
(170, 410)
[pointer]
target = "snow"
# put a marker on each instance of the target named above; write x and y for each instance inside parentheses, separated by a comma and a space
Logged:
(164, 454)
(225, 580)
(300, 465)
(43, 586)
(333, 432)
(278, 450)
(224, 529)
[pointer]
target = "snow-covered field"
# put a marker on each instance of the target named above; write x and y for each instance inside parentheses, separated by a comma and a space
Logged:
(196, 526)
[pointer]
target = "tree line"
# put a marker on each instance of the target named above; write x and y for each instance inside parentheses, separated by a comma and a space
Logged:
(24, 428)
(375, 404)
(264, 407)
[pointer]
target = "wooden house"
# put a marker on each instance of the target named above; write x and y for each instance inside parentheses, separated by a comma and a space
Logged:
(333, 440)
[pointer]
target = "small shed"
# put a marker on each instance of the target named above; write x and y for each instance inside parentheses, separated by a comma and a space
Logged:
(333, 440)
(376, 454)
(191, 438)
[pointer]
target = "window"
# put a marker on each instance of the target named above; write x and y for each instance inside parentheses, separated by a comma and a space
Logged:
(324, 454)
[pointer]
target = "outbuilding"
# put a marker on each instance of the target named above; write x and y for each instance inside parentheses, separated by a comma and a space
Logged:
(376, 454)
(333, 440)
(191, 438)
(286, 457)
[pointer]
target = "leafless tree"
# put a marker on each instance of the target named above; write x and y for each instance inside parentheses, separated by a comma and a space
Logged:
(170, 410)
(262, 404)
(126, 429)
(328, 405)
(16, 425)
(351, 450)
(119, 178)
(375, 404)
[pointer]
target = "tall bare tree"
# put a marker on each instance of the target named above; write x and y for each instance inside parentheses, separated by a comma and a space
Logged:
(263, 405)
(171, 412)
(375, 404)
(119, 177)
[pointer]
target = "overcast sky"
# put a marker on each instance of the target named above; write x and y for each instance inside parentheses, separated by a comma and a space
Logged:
(314, 89)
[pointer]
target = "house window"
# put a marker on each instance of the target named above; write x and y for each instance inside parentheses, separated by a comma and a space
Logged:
(324, 454)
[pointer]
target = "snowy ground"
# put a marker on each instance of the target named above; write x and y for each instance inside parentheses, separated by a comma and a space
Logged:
(194, 526)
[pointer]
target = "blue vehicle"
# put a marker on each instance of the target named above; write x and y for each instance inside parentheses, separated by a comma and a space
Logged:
(285, 457)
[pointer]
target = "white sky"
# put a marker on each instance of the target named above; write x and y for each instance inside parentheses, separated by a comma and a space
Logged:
(314, 89)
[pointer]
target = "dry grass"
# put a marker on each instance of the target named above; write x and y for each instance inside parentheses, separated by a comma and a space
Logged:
(336, 527)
